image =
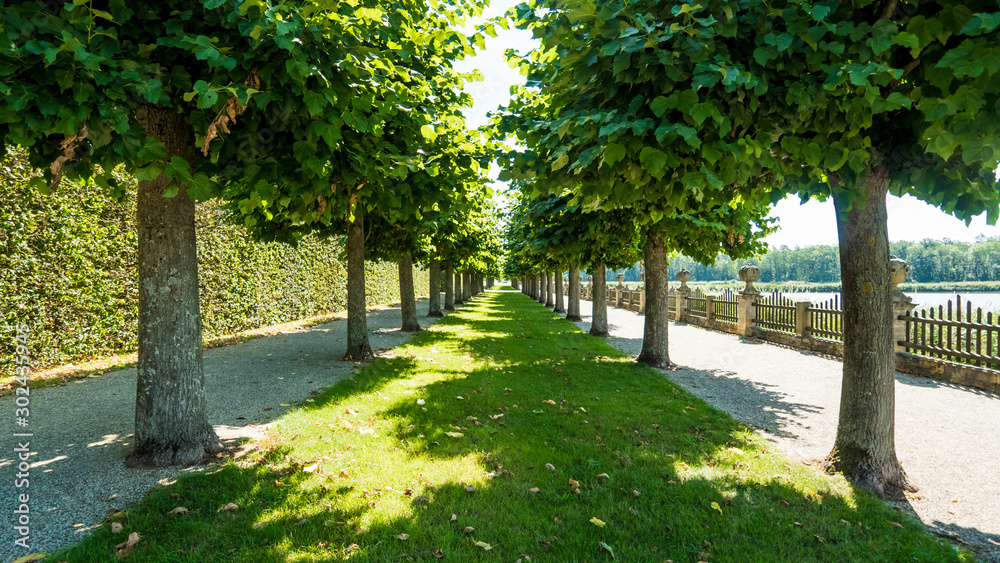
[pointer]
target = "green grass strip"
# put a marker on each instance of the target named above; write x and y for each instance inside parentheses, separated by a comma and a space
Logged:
(504, 432)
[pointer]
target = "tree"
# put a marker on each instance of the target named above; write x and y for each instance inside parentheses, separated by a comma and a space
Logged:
(864, 98)
(182, 94)
(613, 113)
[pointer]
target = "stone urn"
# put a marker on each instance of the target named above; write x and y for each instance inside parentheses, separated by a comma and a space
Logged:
(750, 274)
(683, 276)
(898, 271)
(590, 280)
(621, 280)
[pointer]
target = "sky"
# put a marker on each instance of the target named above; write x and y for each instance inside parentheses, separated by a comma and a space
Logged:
(810, 224)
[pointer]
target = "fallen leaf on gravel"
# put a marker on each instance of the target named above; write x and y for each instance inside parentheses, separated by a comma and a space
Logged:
(550, 467)
(285, 405)
(533, 490)
(607, 548)
(484, 545)
(178, 510)
(125, 548)
(30, 558)
(403, 537)
(597, 522)
(116, 527)
(230, 506)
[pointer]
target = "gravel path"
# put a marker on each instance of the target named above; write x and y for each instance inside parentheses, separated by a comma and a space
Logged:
(82, 431)
(947, 436)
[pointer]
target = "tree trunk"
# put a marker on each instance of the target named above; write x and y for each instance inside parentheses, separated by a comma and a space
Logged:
(865, 448)
(560, 297)
(358, 348)
(549, 302)
(467, 285)
(542, 290)
(599, 320)
(171, 412)
(449, 287)
(434, 298)
(407, 299)
(654, 336)
(573, 312)
(459, 294)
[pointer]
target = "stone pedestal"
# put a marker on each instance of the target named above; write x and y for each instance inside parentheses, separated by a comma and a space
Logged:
(746, 314)
(803, 320)
(900, 309)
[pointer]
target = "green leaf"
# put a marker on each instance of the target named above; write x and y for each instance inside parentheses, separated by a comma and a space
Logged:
(560, 162)
(907, 39)
(661, 105)
(614, 153)
(315, 102)
(201, 188)
(654, 160)
(178, 169)
(428, 132)
(148, 173)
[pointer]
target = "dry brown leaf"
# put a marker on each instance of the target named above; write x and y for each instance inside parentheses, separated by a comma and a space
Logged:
(550, 467)
(30, 558)
(470, 489)
(484, 545)
(125, 548)
(454, 517)
(259, 525)
(439, 554)
(311, 468)
(896, 525)
(574, 484)
(344, 474)
(469, 529)
(533, 490)
(229, 507)
(403, 537)
(116, 527)
(603, 477)
(178, 510)
(549, 401)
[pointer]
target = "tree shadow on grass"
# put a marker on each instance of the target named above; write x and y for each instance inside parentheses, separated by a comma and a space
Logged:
(542, 456)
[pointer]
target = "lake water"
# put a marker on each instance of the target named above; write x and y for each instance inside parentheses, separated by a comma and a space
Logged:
(989, 301)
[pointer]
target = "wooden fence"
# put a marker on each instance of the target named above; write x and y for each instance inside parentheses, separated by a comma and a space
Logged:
(947, 334)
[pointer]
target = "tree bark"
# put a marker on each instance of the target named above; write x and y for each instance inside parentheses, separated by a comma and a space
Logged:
(865, 447)
(560, 299)
(549, 291)
(449, 287)
(171, 412)
(573, 312)
(358, 348)
(407, 299)
(459, 294)
(467, 286)
(599, 320)
(434, 298)
(654, 336)
(542, 290)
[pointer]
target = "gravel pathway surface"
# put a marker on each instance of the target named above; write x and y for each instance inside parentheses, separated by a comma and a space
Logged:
(947, 436)
(83, 431)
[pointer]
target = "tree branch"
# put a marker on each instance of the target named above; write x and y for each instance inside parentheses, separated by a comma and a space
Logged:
(889, 9)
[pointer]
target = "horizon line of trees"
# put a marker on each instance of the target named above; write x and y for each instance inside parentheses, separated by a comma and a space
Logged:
(931, 261)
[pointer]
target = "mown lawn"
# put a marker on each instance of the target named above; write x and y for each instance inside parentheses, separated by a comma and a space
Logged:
(503, 433)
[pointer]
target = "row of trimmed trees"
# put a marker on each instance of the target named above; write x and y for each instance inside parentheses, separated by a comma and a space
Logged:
(692, 119)
(309, 117)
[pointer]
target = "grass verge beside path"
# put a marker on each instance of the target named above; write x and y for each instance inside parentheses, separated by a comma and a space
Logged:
(503, 432)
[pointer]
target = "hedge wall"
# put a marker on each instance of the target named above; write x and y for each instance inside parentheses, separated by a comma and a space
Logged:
(68, 267)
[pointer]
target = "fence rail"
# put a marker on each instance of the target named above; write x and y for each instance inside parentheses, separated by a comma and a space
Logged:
(826, 320)
(944, 334)
(775, 312)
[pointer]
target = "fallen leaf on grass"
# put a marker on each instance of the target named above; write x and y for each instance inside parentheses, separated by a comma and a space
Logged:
(311, 468)
(549, 401)
(116, 527)
(259, 525)
(574, 484)
(470, 489)
(403, 537)
(597, 522)
(603, 477)
(125, 548)
(439, 554)
(636, 493)
(496, 416)
(550, 467)
(896, 524)
(178, 510)
(229, 507)
(607, 548)
(484, 545)
(454, 434)
(421, 402)
(460, 398)
(533, 490)
(344, 474)
(454, 517)
(716, 506)
(735, 451)
(30, 558)
(469, 529)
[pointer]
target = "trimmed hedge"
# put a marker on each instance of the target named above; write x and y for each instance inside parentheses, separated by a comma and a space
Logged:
(68, 267)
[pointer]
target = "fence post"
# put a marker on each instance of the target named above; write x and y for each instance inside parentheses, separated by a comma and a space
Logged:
(746, 313)
(803, 320)
(709, 307)
(902, 304)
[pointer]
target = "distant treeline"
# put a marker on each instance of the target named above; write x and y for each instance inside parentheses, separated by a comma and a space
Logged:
(931, 261)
